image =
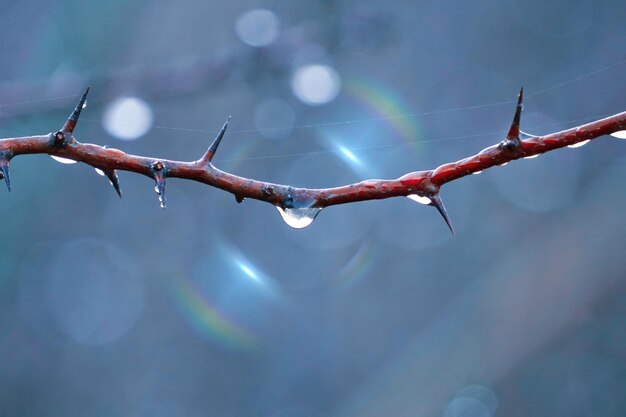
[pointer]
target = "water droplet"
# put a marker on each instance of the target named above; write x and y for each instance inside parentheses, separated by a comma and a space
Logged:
(619, 134)
(476, 173)
(531, 156)
(299, 218)
(84, 104)
(99, 172)
(156, 190)
(63, 160)
(504, 164)
(579, 144)
(420, 199)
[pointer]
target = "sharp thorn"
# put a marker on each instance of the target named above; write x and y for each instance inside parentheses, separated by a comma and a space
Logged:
(70, 125)
(208, 156)
(4, 169)
(436, 201)
(114, 180)
(514, 131)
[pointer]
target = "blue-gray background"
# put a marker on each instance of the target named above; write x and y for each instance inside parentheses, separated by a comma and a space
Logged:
(118, 308)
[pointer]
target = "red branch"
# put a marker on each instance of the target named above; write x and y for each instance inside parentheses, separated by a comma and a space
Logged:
(299, 206)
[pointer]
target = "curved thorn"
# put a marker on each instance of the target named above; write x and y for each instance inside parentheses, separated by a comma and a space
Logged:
(114, 180)
(70, 125)
(514, 131)
(4, 170)
(436, 201)
(208, 156)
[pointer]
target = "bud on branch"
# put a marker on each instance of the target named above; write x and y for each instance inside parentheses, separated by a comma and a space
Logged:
(297, 206)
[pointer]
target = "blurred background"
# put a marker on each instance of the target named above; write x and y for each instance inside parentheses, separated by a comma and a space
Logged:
(119, 308)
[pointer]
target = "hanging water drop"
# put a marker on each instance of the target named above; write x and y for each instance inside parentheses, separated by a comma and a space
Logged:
(579, 144)
(299, 218)
(531, 156)
(420, 199)
(63, 160)
(621, 134)
(99, 172)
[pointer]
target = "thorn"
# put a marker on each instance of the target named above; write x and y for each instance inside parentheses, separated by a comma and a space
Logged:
(436, 201)
(239, 199)
(513, 134)
(73, 119)
(208, 156)
(4, 173)
(114, 180)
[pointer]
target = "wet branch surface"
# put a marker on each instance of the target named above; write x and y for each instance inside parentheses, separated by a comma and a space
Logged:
(298, 206)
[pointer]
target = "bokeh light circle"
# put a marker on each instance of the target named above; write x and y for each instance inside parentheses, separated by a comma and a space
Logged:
(274, 118)
(315, 84)
(128, 118)
(89, 291)
(258, 27)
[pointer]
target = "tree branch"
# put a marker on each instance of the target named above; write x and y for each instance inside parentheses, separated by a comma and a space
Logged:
(298, 206)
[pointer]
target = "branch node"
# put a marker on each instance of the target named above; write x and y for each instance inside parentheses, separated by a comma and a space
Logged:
(59, 138)
(210, 153)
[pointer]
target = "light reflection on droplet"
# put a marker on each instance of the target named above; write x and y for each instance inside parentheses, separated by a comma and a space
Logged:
(257, 27)
(531, 156)
(63, 160)
(476, 173)
(579, 144)
(621, 134)
(315, 84)
(299, 218)
(420, 199)
(504, 164)
(99, 172)
(128, 118)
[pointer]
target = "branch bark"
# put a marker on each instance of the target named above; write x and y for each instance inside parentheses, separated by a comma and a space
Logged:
(298, 206)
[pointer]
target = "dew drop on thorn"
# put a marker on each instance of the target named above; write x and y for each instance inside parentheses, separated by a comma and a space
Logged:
(99, 171)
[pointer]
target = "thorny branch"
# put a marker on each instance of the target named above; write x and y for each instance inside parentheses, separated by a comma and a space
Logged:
(298, 206)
